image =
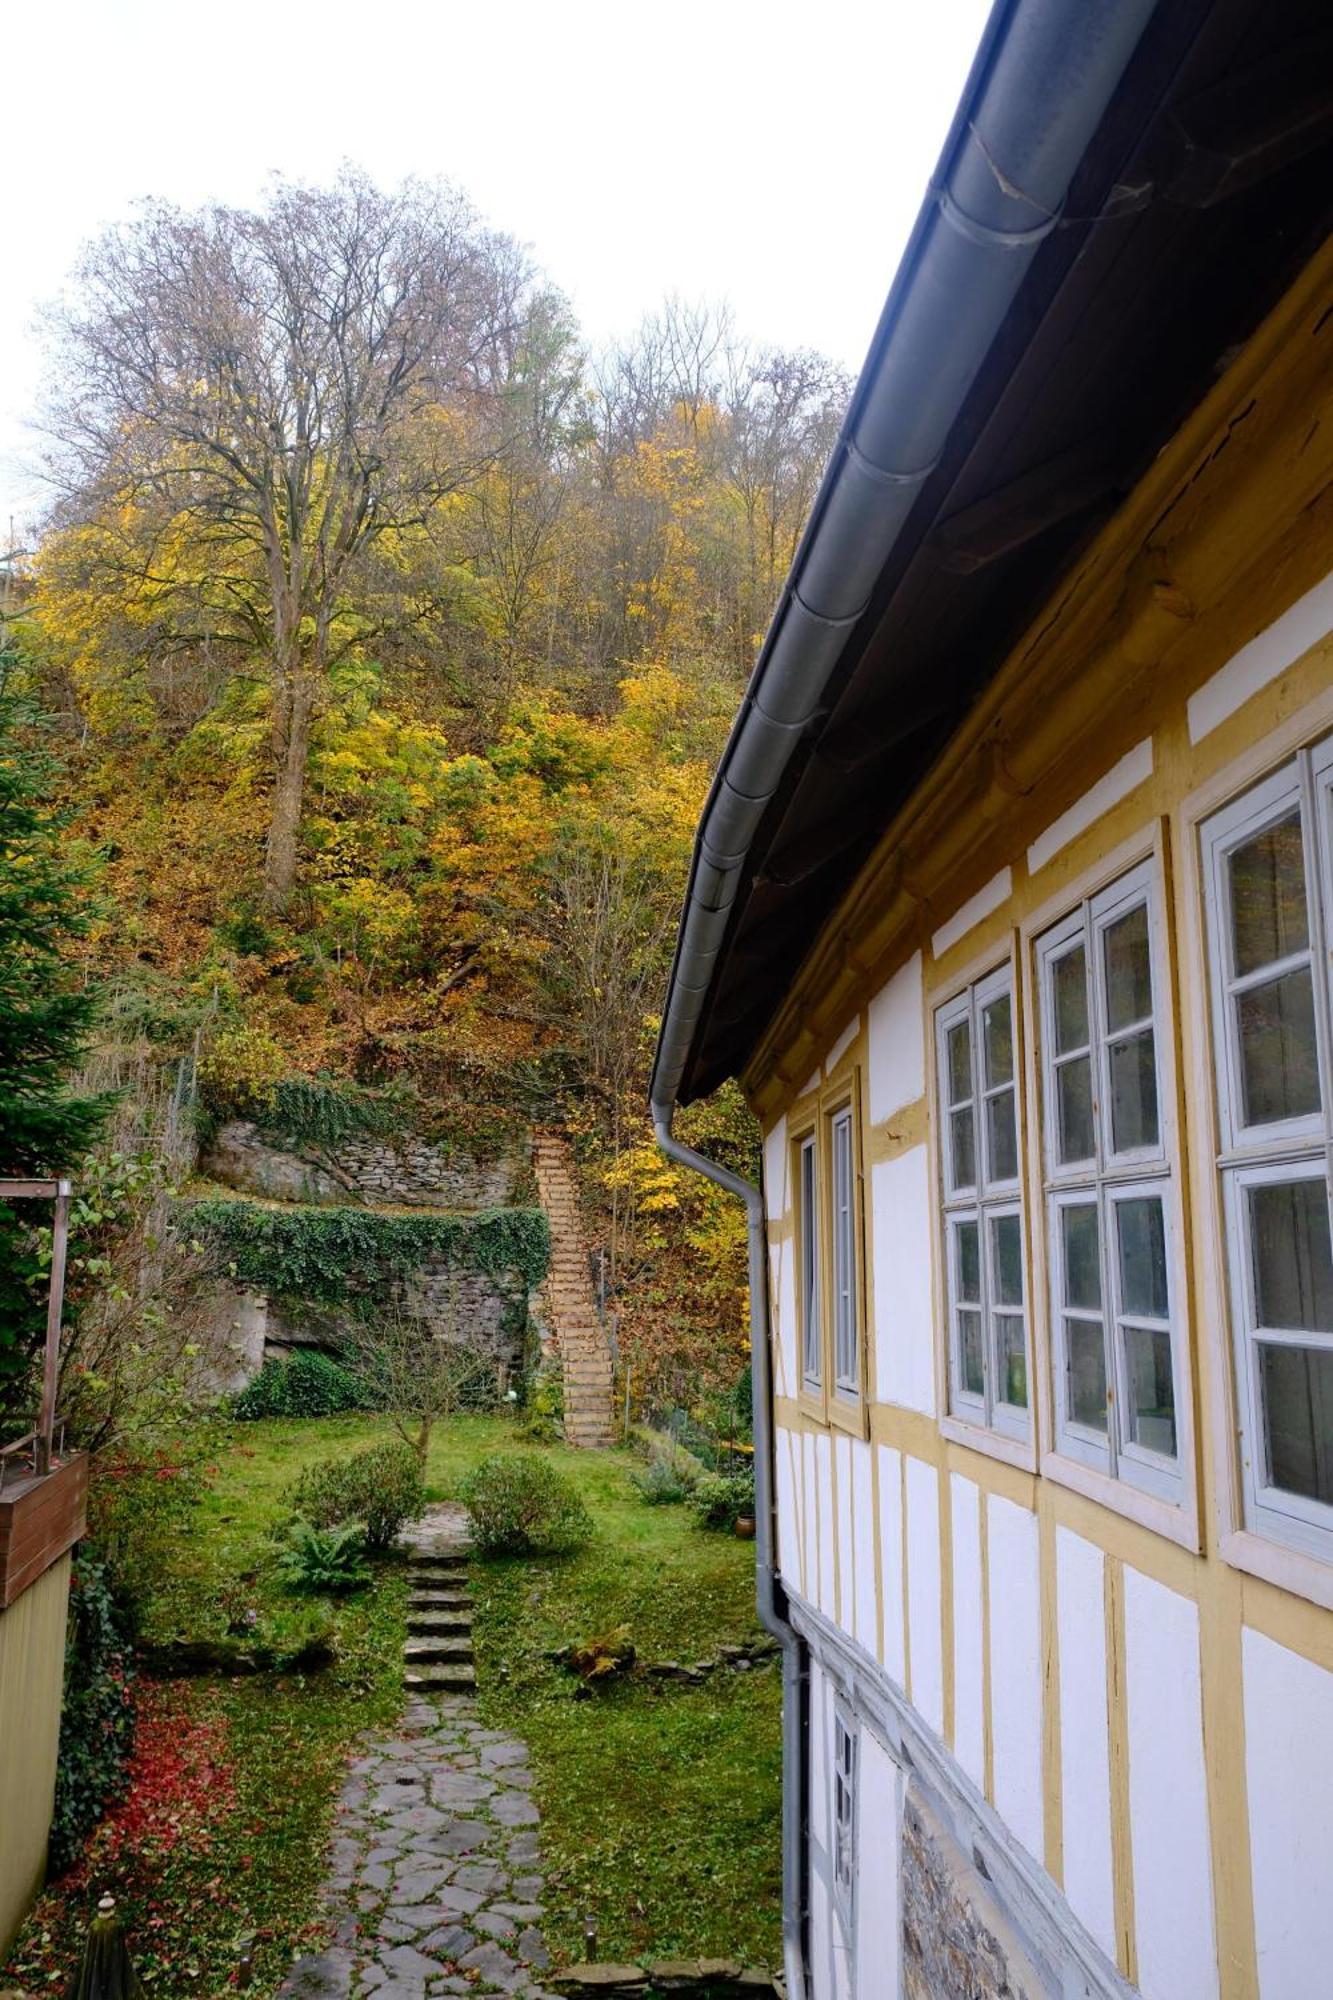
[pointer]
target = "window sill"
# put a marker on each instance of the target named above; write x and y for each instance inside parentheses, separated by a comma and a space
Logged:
(1160, 1517)
(1287, 1569)
(844, 1414)
(1019, 1452)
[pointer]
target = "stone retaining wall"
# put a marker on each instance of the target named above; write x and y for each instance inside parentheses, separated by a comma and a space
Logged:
(409, 1173)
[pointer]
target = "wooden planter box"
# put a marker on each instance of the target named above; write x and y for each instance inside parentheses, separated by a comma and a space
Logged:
(39, 1520)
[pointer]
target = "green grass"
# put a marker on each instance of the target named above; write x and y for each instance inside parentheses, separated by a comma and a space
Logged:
(659, 1802)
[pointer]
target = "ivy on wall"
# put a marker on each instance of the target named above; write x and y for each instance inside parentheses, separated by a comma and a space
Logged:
(341, 1256)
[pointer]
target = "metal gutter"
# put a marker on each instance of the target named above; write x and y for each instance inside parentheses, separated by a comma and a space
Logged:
(1041, 82)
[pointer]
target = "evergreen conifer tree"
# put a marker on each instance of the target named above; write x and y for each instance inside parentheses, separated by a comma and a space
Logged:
(46, 1011)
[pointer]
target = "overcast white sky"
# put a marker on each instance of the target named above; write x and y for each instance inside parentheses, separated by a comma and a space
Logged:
(758, 151)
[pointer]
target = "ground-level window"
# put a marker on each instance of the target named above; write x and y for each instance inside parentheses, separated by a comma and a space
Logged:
(807, 1228)
(1109, 1181)
(982, 1206)
(844, 1814)
(1269, 888)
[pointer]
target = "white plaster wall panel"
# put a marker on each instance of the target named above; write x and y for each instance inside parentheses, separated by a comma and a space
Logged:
(785, 1448)
(1168, 1803)
(894, 1655)
(777, 1192)
(924, 1631)
(969, 1744)
(998, 890)
(1275, 649)
(1289, 1775)
(809, 1519)
(897, 1046)
(900, 1246)
(843, 1043)
(782, 1306)
(842, 1500)
(1015, 1668)
(820, 1724)
(878, 1947)
(1117, 783)
(1085, 1757)
(824, 1488)
(863, 1544)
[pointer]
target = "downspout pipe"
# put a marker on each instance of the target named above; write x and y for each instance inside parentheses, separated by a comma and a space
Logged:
(770, 1599)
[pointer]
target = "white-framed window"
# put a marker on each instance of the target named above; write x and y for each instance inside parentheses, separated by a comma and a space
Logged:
(846, 1318)
(1110, 1185)
(807, 1226)
(1268, 876)
(844, 1816)
(982, 1209)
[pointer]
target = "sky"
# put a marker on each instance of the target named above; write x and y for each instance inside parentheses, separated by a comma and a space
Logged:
(757, 152)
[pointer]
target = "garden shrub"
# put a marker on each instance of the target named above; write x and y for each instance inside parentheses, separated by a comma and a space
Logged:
(519, 1505)
(721, 1499)
(381, 1488)
(309, 1384)
(97, 1719)
(666, 1480)
(324, 1559)
(240, 1070)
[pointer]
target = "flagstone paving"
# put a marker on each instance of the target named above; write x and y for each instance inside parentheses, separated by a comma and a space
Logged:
(435, 1879)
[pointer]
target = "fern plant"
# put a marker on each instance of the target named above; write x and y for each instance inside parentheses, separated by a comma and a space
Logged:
(327, 1560)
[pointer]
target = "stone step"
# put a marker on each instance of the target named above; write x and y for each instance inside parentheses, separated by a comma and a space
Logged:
(427, 1599)
(424, 1622)
(430, 1651)
(439, 1558)
(442, 1679)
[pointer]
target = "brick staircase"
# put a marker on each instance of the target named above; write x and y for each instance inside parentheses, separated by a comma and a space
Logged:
(584, 1355)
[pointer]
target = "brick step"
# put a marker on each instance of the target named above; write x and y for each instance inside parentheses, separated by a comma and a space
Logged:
(433, 1651)
(442, 1679)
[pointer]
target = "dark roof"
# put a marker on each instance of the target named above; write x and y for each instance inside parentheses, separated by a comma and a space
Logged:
(1201, 188)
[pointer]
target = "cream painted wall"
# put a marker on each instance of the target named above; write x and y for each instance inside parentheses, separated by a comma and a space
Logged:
(1168, 1799)
(782, 1305)
(969, 1742)
(897, 1060)
(1015, 1668)
(1289, 1775)
(1085, 1750)
(925, 1632)
(777, 1177)
(900, 1235)
(32, 1675)
(878, 1943)
(826, 1595)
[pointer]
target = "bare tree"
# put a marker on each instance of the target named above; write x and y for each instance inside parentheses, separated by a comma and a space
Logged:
(251, 402)
(420, 1375)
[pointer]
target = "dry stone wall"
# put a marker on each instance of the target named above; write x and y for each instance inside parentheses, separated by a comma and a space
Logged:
(408, 1173)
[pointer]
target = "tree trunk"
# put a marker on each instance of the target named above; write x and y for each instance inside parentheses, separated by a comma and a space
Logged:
(291, 755)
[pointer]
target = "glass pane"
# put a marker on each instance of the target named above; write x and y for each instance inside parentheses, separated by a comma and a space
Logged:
(1293, 1259)
(1069, 977)
(1087, 1373)
(1268, 911)
(1073, 1099)
(1128, 969)
(1152, 1396)
(1142, 1233)
(997, 1025)
(1013, 1363)
(962, 1149)
(1297, 1387)
(969, 1341)
(1278, 1061)
(1006, 1246)
(1083, 1271)
(1133, 1093)
(960, 1062)
(969, 1261)
(1001, 1137)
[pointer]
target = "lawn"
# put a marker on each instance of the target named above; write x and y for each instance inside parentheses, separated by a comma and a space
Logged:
(659, 1801)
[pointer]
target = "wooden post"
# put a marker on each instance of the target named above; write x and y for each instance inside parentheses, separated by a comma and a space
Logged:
(55, 1300)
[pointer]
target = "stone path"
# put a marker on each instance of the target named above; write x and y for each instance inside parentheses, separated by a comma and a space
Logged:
(435, 1881)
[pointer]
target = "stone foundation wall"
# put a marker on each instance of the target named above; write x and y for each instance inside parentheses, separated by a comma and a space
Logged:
(411, 1173)
(956, 1943)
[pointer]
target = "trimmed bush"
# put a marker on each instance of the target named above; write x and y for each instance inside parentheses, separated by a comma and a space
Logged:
(720, 1499)
(310, 1384)
(519, 1505)
(381, 1488)
(97, 1720)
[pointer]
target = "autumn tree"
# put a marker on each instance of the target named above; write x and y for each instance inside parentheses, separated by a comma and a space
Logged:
(258, 409)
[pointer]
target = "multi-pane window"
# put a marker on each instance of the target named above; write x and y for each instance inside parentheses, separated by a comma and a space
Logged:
(1109, 1185)
(1269, 877)
(807, 1225)
(844, 1813)
(846, 1343)
(983, 1217)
